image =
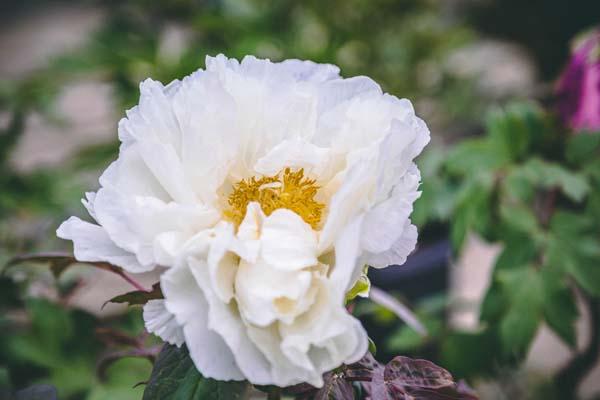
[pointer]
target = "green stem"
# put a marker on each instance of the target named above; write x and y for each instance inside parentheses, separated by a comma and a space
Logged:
(569, 378)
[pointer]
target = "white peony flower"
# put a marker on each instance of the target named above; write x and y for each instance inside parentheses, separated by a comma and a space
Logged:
(264, 188)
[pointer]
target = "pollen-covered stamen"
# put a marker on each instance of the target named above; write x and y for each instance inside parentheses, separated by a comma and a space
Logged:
(288, 189)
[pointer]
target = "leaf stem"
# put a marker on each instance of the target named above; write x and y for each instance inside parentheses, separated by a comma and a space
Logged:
(132, 281)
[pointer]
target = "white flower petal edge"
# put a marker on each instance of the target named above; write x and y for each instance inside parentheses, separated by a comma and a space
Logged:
(162, 323)
(263, 188)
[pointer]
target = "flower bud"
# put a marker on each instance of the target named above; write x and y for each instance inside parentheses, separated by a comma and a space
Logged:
(578, 89)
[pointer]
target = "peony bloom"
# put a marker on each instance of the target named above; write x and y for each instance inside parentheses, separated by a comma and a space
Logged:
(578, 88)
(263, 189)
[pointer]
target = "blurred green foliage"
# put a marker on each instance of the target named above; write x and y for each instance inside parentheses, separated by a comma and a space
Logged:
(533, 187)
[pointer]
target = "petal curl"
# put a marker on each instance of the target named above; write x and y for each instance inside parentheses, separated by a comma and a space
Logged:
(162, 323)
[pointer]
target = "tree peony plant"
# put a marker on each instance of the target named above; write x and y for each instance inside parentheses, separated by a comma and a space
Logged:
(261, 190)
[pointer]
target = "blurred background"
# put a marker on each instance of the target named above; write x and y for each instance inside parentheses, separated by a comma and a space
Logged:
(505, 307)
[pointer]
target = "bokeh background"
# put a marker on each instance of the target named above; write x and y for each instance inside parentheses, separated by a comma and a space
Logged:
(69, 69)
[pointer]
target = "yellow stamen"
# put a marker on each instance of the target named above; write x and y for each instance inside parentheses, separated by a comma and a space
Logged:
(291, 190)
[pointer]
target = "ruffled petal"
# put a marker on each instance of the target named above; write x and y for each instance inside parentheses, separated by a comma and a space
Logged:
(186, 301)
(399, 251)
(162, 323)
(92, 243)
(225, 320)
(287, 242)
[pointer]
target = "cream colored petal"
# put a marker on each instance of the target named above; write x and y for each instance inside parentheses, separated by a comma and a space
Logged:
(287, 242)
(259, 285)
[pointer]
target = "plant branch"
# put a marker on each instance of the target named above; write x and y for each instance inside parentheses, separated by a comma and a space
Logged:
(388, 301)
(568, 379)
(132, 281)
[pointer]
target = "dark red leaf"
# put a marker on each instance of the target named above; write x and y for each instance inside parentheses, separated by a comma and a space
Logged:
(407, 379)
(417, 373)
(363, 369)
(336, 387)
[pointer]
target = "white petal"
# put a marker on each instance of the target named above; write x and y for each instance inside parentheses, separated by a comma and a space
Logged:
(287, 242)
(134, 223)
(251, 226)
(347, 252)
(399, 251)
(185, 300)
(349, 201)
(162, 323)
(326, 334)
(383, 224)
(226, 321)
(284, 371)
(130, 175)
(206, 125)
(153, 118)
(222, 264)
(166, 166)
(296, 153)
(259, 285)
(91, 243)
(167, 246)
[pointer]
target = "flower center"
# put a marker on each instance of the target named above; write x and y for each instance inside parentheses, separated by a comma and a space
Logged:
(287, 189)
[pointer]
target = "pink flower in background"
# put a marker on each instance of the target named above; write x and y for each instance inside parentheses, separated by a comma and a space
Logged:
(578, 88)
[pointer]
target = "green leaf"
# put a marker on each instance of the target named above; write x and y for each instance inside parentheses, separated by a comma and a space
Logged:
(586, 272)
(520, 217)
(548, 175)
(582, 148)
(472, 212)
(138, 297)
(361, 287)
(473, 157)
(407, 339)
(574, 246)
(512, 129)
(519, 250)
(175, 377)
(467, 354)
(372, 346)
(516, 186)
(560, 310)
(524, 289)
